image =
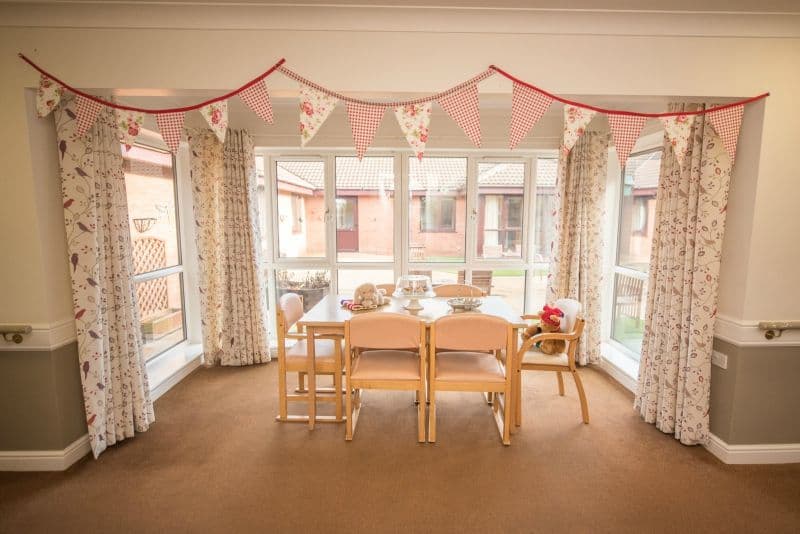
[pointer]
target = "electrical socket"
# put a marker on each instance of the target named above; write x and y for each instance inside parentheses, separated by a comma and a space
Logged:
(719, 359)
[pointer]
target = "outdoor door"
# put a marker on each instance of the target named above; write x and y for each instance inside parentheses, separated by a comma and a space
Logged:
(347, 224)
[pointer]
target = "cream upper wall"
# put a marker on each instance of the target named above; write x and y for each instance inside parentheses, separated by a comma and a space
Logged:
(763, 227)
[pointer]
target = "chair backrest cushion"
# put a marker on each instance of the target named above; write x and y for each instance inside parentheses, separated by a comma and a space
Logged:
(458, 290)
(471, 331)
(572, 309)
(383, 330)
(292, 308)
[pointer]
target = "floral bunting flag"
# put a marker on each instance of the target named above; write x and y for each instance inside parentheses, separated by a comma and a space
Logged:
(415, 120)
(216, 115)
(462, 106)
(575, 121)
(678, 128)
(364, 121)
(256, 97)
(527, 107)
(625, 130)
(87, 111)
(171, 127)
(129, 124)
(48, 96)
(315, 107)
(726, 123)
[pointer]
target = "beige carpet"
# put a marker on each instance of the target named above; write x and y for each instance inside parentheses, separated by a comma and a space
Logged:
(215, 461)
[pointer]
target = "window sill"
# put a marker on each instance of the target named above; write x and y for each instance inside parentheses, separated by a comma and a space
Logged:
(166, 370)
(621, 364)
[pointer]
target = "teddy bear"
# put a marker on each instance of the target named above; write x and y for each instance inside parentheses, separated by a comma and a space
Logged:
(368, 295)
(549, 321)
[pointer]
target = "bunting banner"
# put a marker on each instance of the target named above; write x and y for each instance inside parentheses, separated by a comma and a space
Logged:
(463, 107)
(727, 122)
(575, 121)
(87, 111)
(171, 127)
(256, 97)
(48, 96)
(678, 129)
(315, 108)
(527, 107)
(364, 121)
(129, 124)
(414, 121)
(216, 115)
(625, 130)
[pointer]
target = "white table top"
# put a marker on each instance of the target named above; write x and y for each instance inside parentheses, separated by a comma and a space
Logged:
(329, 313)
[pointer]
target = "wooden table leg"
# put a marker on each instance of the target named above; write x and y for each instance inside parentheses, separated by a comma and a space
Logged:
(312, 377)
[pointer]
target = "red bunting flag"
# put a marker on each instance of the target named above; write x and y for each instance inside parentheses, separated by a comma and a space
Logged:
(527, 107)
(625, 130)
(47, 96)
(462, 106)
(87, 112)
(171, 127)
(364, 121)
(256, 98)
(726, 123)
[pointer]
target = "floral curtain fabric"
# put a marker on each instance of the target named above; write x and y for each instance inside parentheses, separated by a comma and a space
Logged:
(232, 290)
(115, 387)
(675, 367)
(576, 258)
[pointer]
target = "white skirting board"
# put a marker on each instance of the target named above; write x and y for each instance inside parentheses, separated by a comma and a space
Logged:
(767, 453)
(45, 460)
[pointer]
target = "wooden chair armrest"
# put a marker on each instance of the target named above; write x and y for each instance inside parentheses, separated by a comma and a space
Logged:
(531, 316)
(553, 335)
(291, 335)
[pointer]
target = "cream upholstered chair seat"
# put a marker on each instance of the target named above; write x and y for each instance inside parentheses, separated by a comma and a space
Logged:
(468, 367)
(325, 352)
(386, 365)
(538, 357)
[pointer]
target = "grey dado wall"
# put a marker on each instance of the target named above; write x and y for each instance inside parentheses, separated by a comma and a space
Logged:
(41, 400)
(756, 399)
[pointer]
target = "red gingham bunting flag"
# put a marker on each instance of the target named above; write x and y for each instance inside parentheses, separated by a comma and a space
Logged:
(575, 121)
(216, 115)
(87, 112)
(129, 124)
(527, 107)
(462, 106)
(364, 121)
(415, 120)
(678, 129)
(726, 123)
(171, 127)
(48, 96)
(256, 98)
(625, 130)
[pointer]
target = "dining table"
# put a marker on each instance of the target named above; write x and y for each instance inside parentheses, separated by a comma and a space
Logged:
(327, 317)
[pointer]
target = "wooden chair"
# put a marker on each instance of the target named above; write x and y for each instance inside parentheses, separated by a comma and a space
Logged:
(384, 351)
(481, 279)
(529, 359)
(463, 357)
(458, 290)
(328, 361)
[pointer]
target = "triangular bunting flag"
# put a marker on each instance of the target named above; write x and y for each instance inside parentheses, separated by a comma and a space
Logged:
(527, 107)
(48, 96)
(87, 112)
(414, 120)
(129, 124)
(462, 106)
(364, 121)
(678, 128)
(256, 98)
(171, 127)
(575, 121)
(315, 107)
(216, 115)
(726, 123)
(625, 130)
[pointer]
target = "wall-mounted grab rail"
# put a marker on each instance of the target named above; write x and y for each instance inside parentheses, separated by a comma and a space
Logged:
(14, 332)
(773, 329)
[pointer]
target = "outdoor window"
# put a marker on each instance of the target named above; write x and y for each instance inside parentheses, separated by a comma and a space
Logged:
(634, 242)
(300, 208)
(500, 202)
(437, 214)
(158, 273)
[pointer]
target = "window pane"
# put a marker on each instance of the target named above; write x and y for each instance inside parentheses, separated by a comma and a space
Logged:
(312, 285)
(161, 313)
(437, 209)
(365, 209)
(630, 298)
(150, 185)
(261, 196)
(506, 283)
(500, 195)
(301, 209)
(350, 279)
(543, 228)
(637, 210)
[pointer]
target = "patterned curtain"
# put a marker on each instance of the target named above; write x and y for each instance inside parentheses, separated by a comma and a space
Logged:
(576, 258)
(232, 290)
(675, 368)
(116, 393)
